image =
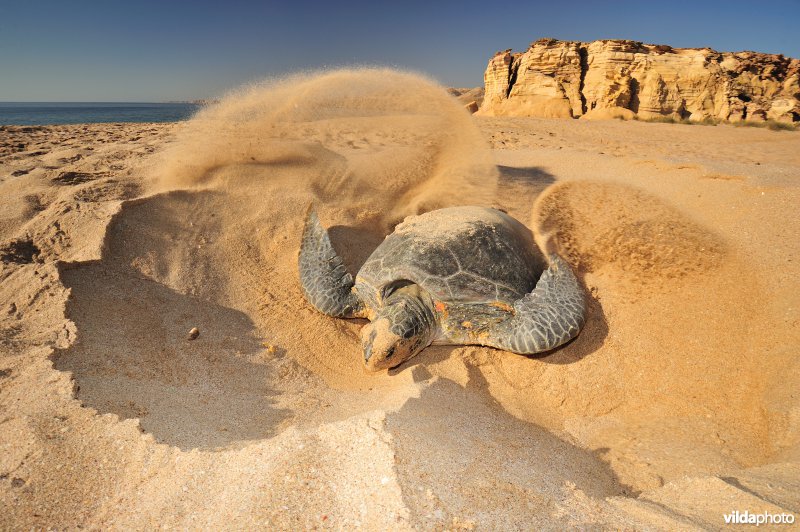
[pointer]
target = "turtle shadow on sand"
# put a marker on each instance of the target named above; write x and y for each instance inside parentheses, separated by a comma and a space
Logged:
(527, 175)
(458, 442)
(354, 244)
(521, 185)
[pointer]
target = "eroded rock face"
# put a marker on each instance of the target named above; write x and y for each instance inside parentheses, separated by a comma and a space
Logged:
(608, 78)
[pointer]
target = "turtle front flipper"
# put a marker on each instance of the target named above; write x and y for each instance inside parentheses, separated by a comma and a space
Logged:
(551, 315)
(326, 283)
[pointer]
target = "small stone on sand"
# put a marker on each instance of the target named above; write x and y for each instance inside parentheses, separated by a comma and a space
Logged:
(194, 333)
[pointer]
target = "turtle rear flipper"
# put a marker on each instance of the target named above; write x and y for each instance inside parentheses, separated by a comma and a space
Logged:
(326, 283)
(551, 315)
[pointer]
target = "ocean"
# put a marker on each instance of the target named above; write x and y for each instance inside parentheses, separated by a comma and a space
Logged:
(30, 113)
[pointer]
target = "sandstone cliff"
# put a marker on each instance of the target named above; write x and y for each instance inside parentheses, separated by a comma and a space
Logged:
(609, 78)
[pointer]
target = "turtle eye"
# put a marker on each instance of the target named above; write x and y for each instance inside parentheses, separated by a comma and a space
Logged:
(394, 286)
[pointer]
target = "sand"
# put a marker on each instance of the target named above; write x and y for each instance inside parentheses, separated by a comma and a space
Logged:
(676, 404)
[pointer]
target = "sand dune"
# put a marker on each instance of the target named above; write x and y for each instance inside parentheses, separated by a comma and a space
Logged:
(676, 403)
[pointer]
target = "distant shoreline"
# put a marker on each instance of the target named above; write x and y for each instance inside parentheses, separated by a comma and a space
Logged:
(54, 103)
(60, 113)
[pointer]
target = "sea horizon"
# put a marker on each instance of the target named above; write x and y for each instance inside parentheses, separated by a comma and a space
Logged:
(16, 113)
(109, 102)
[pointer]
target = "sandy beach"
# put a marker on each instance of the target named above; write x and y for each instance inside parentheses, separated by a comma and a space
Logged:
(677, 404)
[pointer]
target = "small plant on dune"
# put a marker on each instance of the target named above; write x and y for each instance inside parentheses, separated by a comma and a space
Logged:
(781, 126)
(668, 119)
(662, 120)
(774, 125)
(707, 121)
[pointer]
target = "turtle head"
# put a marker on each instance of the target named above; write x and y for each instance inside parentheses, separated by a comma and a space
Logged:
(403, 327)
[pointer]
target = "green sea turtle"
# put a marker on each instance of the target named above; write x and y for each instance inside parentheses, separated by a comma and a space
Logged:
(460, 275)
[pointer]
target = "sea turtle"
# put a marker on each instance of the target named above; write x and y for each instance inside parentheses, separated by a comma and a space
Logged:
(460, 275)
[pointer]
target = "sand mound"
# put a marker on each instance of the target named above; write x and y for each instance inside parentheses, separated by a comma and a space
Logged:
(682, 308)
(622, 229)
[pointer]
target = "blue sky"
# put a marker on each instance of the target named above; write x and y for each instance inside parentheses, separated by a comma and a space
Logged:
(144, 50)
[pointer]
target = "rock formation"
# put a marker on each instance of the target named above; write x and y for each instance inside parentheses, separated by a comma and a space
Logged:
(620, 78)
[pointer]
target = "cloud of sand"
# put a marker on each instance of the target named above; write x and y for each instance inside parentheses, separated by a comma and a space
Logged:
(393, 139)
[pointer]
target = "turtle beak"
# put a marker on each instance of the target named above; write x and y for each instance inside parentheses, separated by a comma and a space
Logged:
(379, 345)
